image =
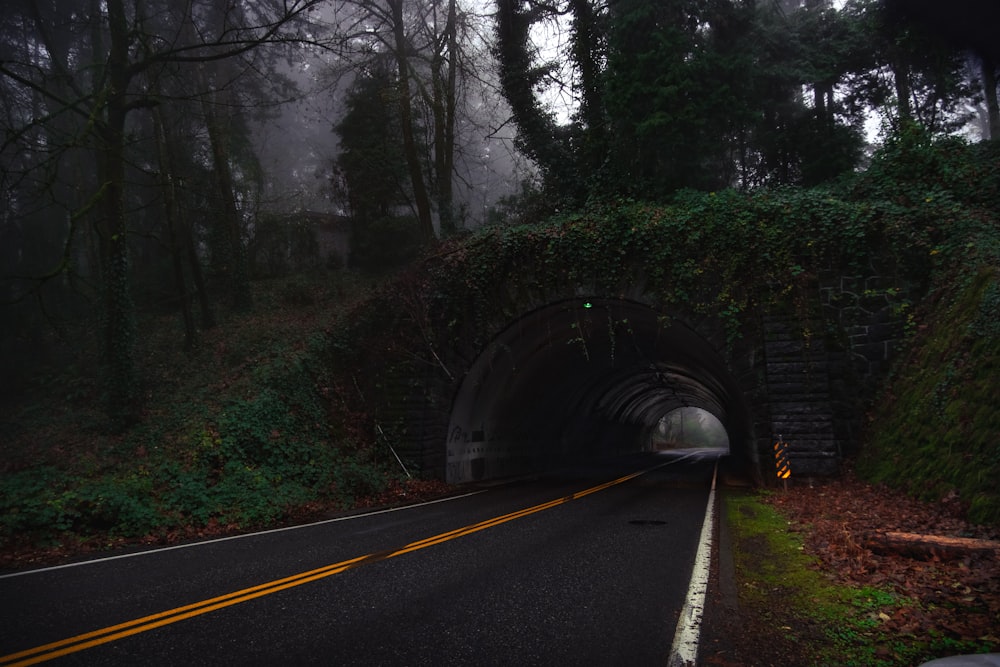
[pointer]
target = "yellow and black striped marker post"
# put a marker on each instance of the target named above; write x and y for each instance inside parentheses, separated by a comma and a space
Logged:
(784, 470)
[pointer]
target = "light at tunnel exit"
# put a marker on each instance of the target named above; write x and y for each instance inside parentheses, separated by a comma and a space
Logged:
(688, 427)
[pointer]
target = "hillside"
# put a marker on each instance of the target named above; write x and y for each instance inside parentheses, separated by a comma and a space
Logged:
(934, 430)
(238, 435)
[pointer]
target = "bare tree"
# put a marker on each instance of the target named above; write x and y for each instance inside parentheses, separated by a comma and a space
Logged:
(97, 76)
(426, 42)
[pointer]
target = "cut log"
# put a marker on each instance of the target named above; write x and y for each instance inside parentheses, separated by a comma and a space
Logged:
(928, 547)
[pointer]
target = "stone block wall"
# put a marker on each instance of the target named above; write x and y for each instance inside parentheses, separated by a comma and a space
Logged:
(866, 313)
(799, 399)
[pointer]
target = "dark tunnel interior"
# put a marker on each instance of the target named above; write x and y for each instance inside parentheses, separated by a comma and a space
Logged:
(581, 379)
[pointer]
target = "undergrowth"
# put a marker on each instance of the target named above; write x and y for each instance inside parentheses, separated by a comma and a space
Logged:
(238, 434)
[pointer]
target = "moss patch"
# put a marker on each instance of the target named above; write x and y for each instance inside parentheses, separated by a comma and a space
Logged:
(797, 614)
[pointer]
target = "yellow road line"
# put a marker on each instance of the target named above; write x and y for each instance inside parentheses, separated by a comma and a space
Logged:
(115, 632)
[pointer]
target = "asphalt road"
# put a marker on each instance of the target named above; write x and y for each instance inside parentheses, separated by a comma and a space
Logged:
(597, 579)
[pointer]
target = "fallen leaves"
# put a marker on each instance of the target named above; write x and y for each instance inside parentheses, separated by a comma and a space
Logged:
(959, 599)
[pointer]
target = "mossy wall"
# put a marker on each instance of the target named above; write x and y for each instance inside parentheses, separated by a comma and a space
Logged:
(720, 263)
(935, 428)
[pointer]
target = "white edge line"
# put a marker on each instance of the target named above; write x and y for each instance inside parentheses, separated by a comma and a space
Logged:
(684, 652)
(147, 552)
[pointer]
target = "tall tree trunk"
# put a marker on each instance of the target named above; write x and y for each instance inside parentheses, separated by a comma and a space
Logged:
(185, 241)
(239, 270)
(989, 71)
(171, 213)
(901, 76)
(420, 196)
(819, 102)
(443, 105)
(119, 310)
(587, 56)
(198, 277)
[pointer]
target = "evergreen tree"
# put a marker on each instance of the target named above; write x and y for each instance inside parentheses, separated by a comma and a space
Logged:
(372, 172)
(917, 74)
(689, 94)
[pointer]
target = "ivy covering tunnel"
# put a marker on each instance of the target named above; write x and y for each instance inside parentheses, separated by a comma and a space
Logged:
(584, 378)
(485, 359)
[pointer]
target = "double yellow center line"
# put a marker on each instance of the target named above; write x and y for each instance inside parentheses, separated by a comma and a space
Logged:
(115, 632)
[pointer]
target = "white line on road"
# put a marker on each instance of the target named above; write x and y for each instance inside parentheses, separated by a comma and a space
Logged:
(684, 652)
(147, 552)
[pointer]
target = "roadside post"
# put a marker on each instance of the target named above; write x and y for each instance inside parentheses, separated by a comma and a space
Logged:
(782, 467)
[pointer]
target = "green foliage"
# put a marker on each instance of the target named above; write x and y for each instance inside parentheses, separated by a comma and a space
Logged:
(45, 487)
(528, 206)
(986, 322)
(224, 481)
(700, 248)
(696, 252)
(245, 452)
(46, 500)
(689, 94)
(933, 431)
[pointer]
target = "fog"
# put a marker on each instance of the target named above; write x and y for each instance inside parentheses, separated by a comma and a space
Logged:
(297, 146)
(689, 427)
(160, 156)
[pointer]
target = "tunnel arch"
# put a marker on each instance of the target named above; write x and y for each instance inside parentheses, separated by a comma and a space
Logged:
(785, 344)
(588, 377)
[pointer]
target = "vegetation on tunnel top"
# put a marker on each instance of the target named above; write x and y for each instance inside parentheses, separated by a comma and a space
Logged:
(928, 207)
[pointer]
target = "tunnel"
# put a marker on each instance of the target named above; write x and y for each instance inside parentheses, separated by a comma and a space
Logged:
(581, 379)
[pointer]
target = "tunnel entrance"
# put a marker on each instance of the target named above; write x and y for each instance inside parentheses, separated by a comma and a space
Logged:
(586, 378)
(684, 428)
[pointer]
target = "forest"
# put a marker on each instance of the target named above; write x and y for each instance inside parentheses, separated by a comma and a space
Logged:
(165, 162)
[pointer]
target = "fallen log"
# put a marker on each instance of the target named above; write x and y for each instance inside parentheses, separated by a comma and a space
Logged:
(928, 547)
